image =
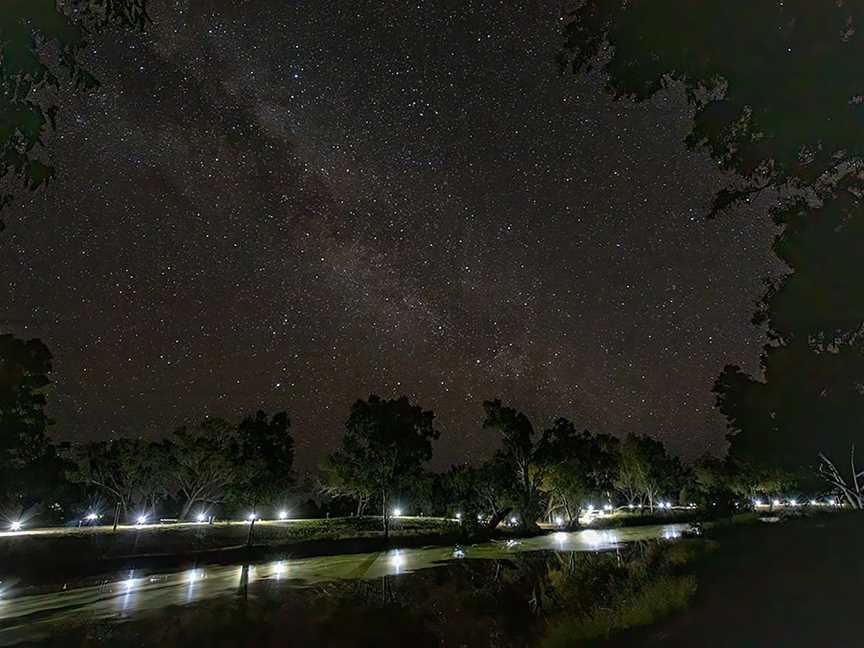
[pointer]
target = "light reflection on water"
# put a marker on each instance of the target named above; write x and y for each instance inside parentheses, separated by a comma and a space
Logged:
(27, 616)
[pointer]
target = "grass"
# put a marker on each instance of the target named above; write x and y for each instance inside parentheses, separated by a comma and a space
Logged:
(613, 593)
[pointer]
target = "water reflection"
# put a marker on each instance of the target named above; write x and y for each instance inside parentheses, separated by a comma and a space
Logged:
(24, 616)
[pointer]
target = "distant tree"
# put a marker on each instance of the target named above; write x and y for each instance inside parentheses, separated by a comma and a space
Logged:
(521, 454)
(343, 477)
(263, 454)
(126, 471)
(479, 493)
(579, 467)
(386, 443)
(41, 38)
(646, 472)
(427, 494)
(201, 465)
(30, 468)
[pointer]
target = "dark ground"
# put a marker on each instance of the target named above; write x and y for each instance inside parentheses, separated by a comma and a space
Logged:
(797, 583)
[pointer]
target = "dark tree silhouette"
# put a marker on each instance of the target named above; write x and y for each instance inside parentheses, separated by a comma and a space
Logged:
(263, 454)
(29, 464)
(776, 88)
(523, 457)
(131, 473)
(386, 443)
(579, 468)
(40, 43)
(200, 461)
(646, 472)
(779, 101)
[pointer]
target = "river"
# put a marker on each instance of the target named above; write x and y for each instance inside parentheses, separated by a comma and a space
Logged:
(32, 614)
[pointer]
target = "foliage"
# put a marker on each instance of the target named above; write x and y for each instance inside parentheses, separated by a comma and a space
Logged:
(130, 473)
(39, 41)
(342, 476)
(599, 595)
(646, 472)
(262, 454)
(201, 465)
(783, 108)
(522, 457)
(783, 103)
(30, 467)
(579, 468)
(385, 444)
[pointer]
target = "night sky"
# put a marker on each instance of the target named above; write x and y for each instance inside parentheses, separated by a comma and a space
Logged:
(290, 205)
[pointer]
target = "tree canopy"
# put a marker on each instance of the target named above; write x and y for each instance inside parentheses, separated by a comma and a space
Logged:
(40, 43)
(780, 107)
(385, 444)
(29, 465)
(777, 91)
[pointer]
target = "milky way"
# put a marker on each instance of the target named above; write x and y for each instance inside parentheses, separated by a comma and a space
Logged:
(294, 204)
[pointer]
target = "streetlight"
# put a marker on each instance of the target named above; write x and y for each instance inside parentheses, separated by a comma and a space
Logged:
(458, 516)
(776, 502)
(92, 517)
(15, 526)
(793, 502)
(201, 517)
(283, 515)
(397, 512)
(252, 517)
(142, 519)
(757, 502)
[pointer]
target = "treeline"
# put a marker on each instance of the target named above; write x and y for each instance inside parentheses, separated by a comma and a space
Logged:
(221, 469)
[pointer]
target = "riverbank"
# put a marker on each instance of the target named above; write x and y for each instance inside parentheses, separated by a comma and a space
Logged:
(791, 583)
(64, 552)
(75, 552)
(52, 553)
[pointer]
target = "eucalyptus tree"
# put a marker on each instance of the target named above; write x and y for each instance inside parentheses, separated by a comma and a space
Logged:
(385, 445)
(201, 464)
(579, 468)
(522, 455)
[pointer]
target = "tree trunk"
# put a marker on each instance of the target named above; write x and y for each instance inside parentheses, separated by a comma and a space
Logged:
(251, 529)
(386, 514)
(184, 513)
(116, 515)
(496, 518)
